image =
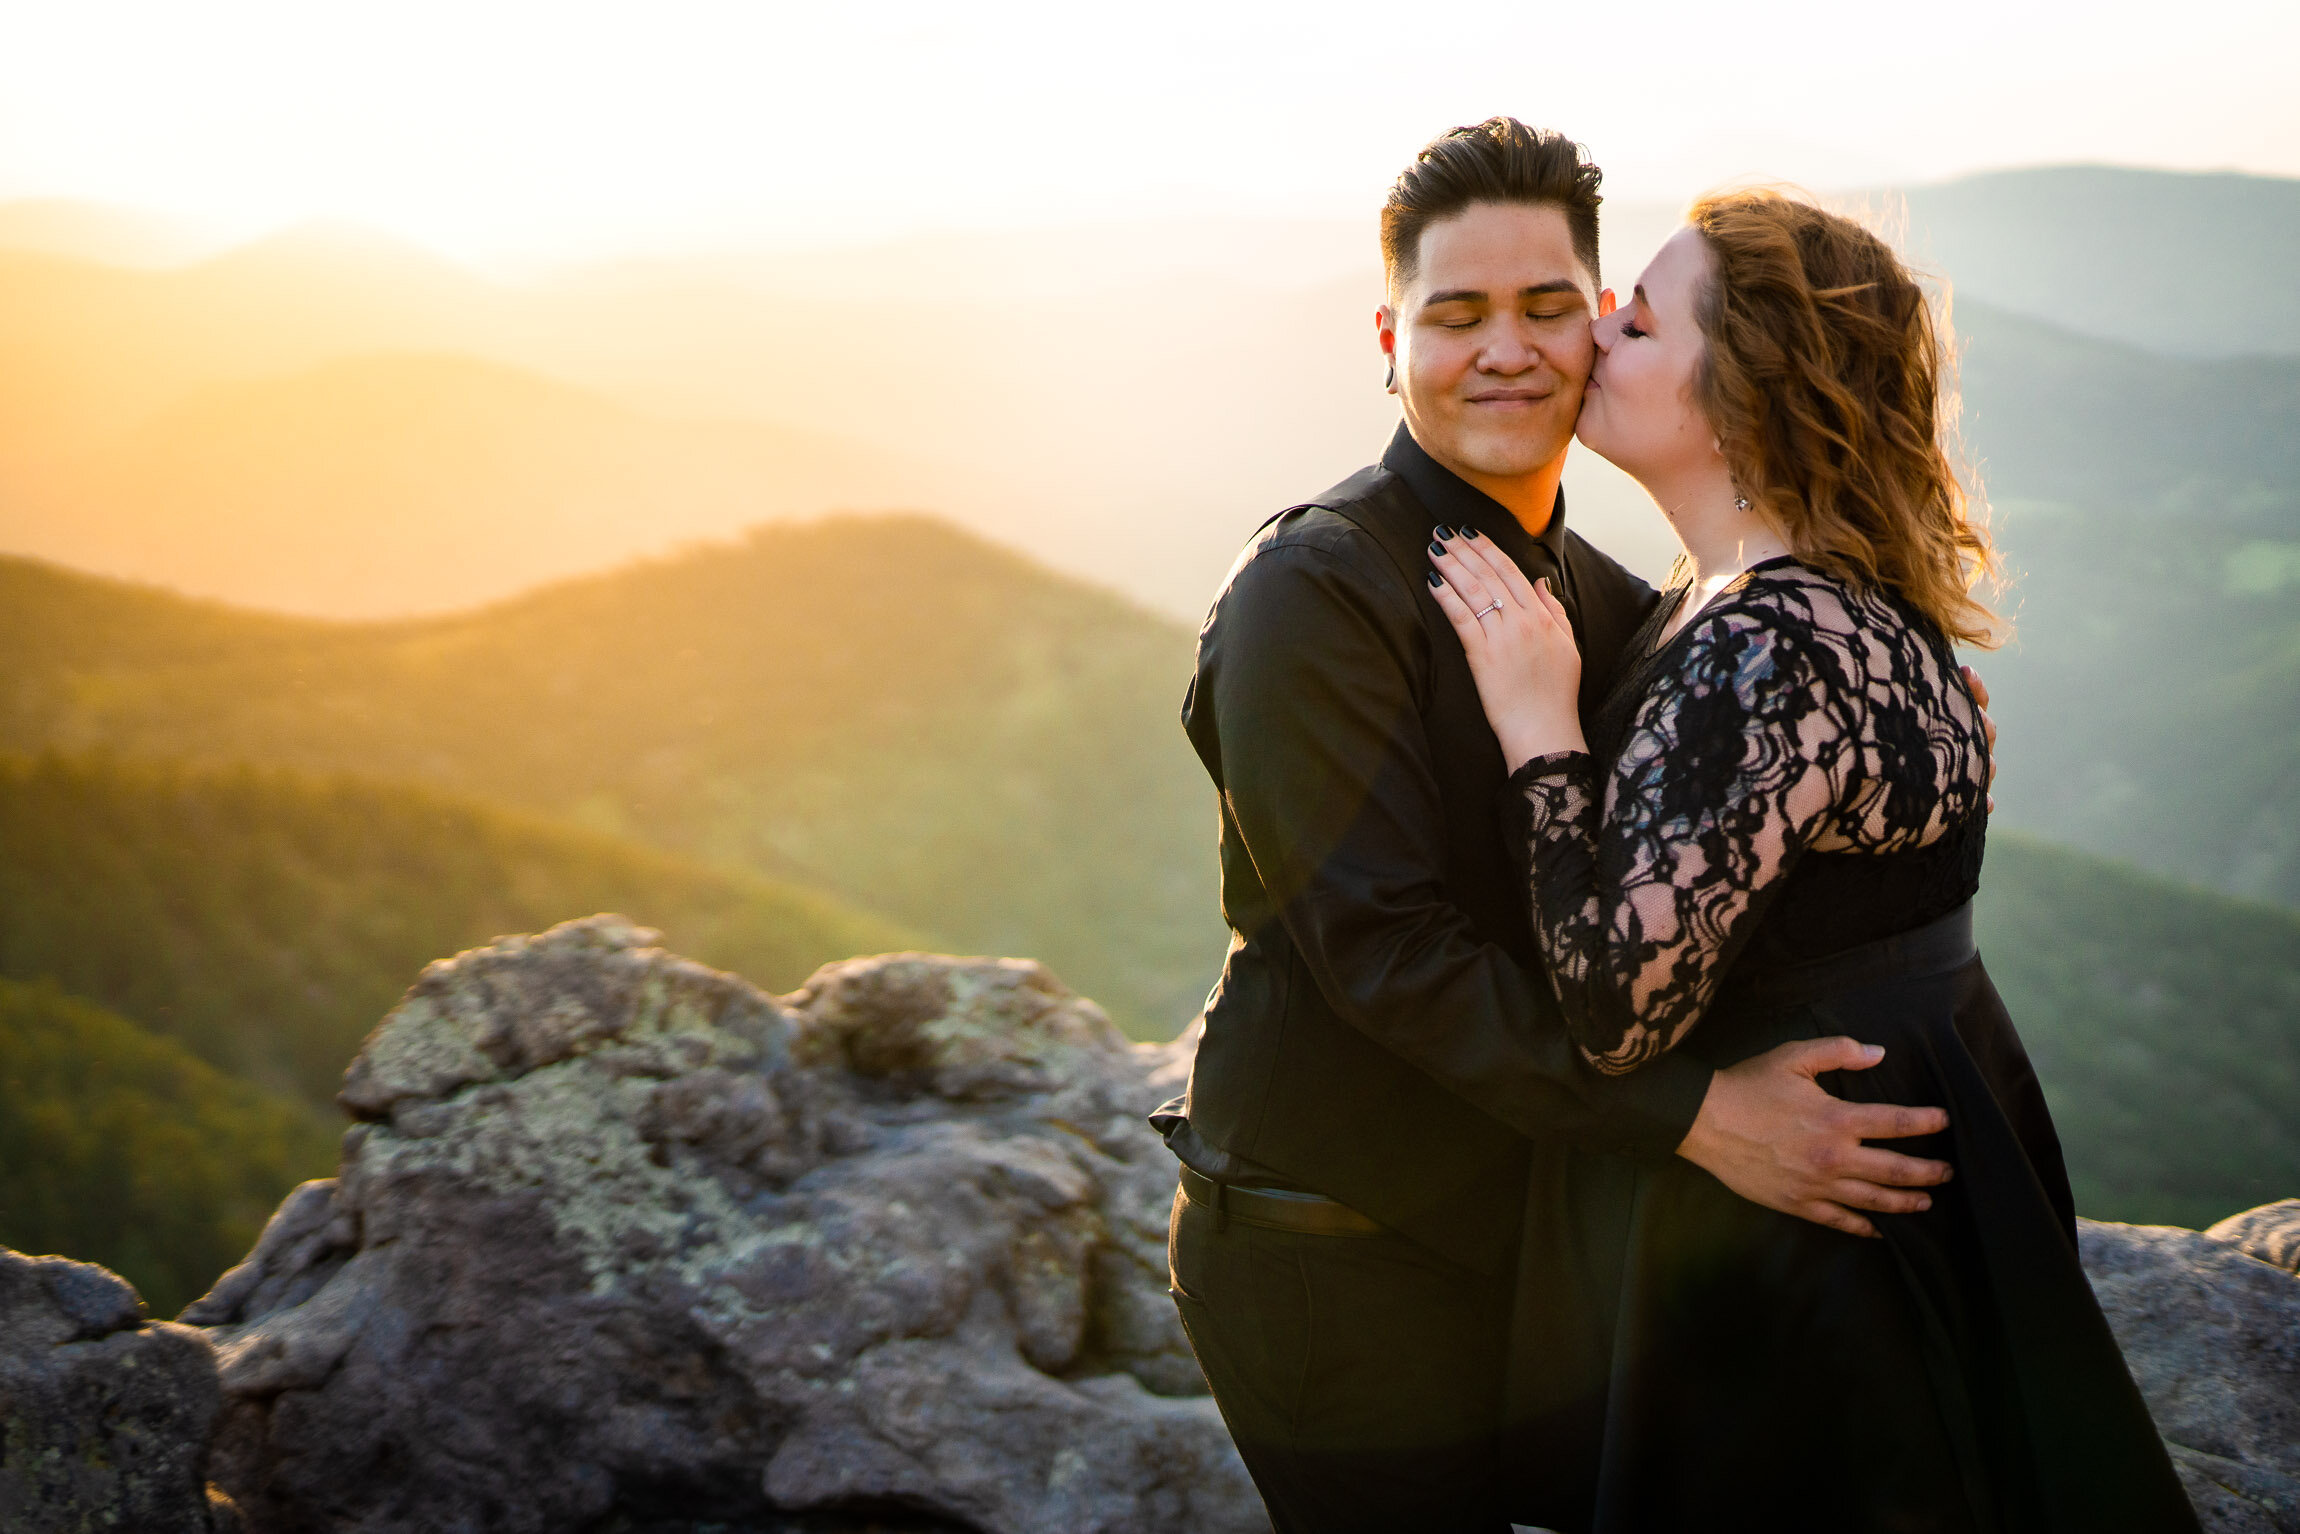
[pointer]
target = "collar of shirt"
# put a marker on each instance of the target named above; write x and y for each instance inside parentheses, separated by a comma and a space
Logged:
(1455, 501)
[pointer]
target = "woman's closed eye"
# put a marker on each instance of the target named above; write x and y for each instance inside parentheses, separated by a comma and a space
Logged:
(1629, 329)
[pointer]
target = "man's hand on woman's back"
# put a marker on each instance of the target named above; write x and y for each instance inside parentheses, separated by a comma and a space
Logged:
(1773, 1134)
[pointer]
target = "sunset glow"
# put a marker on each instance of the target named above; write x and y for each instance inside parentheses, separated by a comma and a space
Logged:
(520, 129)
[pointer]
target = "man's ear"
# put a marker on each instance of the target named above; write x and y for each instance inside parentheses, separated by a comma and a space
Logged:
(1386, 330)
(1606, 303)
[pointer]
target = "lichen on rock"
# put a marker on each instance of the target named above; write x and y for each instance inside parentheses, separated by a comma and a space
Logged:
(620, 1237)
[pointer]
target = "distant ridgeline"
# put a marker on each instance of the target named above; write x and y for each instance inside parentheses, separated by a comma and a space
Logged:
(972, 747)
(2150, 511)
(467, 438)
(736, 747)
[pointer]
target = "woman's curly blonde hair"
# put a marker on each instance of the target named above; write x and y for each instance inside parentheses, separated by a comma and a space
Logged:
(1828, 383)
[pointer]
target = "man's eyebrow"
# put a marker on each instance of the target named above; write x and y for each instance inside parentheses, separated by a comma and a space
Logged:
(1479, 295)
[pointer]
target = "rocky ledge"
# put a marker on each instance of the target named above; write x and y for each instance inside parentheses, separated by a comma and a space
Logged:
(2210, 1325)
(621, 1244)
(618, 1237)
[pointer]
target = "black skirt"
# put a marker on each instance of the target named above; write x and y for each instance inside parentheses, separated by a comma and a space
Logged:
(1683, 1359)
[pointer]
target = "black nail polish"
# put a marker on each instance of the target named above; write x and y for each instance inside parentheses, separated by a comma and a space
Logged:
(1443, 532)
(1469, 532)
(1436, 547)
(1436, 580)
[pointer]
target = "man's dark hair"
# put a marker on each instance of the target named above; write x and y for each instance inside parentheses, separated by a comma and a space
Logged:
(1499, 160)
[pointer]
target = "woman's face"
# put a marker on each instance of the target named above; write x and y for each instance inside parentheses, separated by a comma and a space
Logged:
(1639, 411)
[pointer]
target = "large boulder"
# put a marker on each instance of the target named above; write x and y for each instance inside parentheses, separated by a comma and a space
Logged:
(105, 1417)
(620, 1241)
(2212, 1334)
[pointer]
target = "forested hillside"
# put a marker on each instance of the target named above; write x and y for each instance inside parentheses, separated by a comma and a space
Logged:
(2150, 512)
(886, 710)
(2161, 1020)
(264, 920)
(119, 1147)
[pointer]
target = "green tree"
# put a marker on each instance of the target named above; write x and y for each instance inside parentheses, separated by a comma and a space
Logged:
(120, 1148)
(267, 919)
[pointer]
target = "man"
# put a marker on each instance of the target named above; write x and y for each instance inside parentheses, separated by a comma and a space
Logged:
(1385, 1096)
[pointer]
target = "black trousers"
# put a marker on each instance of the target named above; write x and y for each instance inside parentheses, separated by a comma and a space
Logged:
(1361, 1376)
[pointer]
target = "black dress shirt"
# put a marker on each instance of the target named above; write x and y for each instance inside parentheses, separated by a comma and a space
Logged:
(1382, 1032)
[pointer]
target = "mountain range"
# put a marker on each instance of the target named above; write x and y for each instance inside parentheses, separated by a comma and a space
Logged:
(2174, 262)
(410, 481)
(1127, 402)
(884, 710)
(241, 926)
(532, 611)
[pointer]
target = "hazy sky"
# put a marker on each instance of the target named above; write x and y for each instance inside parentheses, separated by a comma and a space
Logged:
(498, 128)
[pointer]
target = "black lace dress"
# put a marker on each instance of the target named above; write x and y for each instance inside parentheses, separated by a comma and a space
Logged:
(1775, 836)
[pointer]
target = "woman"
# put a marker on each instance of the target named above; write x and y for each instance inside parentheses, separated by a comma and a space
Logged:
(1772, 830)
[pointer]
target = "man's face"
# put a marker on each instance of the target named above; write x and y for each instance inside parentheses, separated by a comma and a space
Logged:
(1491, 339)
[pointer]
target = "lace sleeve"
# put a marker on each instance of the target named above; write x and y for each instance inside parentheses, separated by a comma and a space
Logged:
(1647, 878)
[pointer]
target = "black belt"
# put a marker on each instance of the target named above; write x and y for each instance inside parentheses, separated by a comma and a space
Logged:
(1308, 1214)
(1937, 946)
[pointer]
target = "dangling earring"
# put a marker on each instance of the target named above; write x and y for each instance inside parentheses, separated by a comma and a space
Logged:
(1390, 384)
